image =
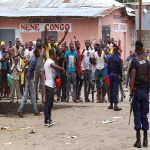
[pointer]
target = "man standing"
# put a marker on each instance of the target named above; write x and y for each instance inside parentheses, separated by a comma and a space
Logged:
(128, 74)
(114, 70)
(39, 70)
(9, 45)
(60, 59)
(86, 67)
(52, 43)
(30, 84)
(71, 57)
(139, 92)
(49, 67)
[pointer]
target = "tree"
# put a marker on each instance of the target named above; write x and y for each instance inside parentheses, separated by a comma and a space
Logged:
(128, 1)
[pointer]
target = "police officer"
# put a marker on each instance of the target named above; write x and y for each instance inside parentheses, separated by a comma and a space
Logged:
(114, 70)
(140, 74)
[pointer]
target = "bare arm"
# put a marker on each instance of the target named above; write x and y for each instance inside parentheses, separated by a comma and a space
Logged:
(66, 32)
(45, 37)
(63, 65)
(57, 68)
(79, 65)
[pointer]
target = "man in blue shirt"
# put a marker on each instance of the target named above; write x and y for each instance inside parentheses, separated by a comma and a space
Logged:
(71, 57)
(114, 70)
(140, 75)
(29, 81)
(128, 74)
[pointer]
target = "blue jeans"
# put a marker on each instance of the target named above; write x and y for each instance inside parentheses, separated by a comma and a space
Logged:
(32, 90)
(87, 78)
(48, 102)
(128, 75)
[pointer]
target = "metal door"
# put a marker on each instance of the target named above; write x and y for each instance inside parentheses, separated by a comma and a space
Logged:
(105, 32)
(54, 34)
(6, 35)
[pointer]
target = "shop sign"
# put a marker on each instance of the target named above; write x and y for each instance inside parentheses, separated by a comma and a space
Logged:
(119, 27)
(38, 27)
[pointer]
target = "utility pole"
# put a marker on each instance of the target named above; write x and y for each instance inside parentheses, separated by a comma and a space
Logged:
(140, 18)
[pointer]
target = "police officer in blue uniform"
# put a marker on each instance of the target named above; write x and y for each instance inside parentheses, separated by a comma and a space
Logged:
(114, 72)
(140, 75)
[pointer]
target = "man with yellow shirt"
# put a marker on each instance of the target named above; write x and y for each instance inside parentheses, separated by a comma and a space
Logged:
(52, 43)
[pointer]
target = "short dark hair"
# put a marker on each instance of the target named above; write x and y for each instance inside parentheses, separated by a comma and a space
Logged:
(76, 42)
(51, 51)
(71, 43)
(52, 38)
(17, 39)
(39, 39)
(139, 45)
(36, 51)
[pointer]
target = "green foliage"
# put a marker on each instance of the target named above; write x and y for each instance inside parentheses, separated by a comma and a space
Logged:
(128, 1)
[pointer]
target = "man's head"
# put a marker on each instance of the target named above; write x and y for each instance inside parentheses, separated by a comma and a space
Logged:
(87, 44)
(77, 45)
(106, 52)
(112, 40)
(26, 45)
(30, 44)
(119, 42)
(37, 53)
(100, 40)
(10, 43)
(65, 43)
(9, 51)
(115, 50)
(39, 42)
(71, 45)
(63, 48)
(16, 61)
(49, 41)
(3, 47)
(130, 53)
(17, 42)
(52, 39)
(138, 46)
(52, 54)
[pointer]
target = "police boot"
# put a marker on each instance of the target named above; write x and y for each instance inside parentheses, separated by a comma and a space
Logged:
(116, 108)
(138, 141)
(145, 141)
(111, 106)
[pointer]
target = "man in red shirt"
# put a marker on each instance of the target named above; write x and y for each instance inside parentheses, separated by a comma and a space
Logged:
(79, 81)
(119, 47)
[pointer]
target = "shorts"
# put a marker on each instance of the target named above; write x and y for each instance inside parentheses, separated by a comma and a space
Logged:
(4, 75)
(107, 81)
(100, 75)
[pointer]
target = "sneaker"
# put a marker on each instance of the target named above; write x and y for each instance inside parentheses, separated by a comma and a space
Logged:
(47, 123)
(51, 122)
(126, 89)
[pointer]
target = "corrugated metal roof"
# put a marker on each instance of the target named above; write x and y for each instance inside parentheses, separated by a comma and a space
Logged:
(80, 8)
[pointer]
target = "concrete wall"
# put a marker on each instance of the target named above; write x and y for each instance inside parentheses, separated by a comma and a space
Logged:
(145, 37)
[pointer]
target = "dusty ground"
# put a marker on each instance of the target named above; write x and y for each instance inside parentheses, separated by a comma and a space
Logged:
(75, 121)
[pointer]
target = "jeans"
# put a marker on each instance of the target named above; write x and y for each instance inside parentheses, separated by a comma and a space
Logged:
(128, 75)
(71, 78)
(48, 102)
(79, 83)
(32, 90)
(63, 85)
(87, 78)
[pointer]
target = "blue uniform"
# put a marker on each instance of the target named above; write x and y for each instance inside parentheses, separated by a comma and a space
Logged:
(141, 103)
(114, 70)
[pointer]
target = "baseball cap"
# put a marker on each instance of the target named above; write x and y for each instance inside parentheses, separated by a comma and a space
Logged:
(58, 82)
(9, 40)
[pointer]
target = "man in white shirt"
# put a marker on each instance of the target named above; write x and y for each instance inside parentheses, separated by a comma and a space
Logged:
(99, 59)
(86, 68)
(49, 67)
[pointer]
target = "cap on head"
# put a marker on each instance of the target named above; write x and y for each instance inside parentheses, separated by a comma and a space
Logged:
(2, 42)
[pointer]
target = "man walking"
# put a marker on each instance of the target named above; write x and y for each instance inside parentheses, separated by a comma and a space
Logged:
(30, 84)
(114, 70)
(140, 75)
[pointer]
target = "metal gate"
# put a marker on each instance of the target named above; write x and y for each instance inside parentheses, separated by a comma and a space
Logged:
(54, 34)
(105, 32)
(6, 35)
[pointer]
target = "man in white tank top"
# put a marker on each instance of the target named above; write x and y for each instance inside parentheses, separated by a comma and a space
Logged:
(100, 58)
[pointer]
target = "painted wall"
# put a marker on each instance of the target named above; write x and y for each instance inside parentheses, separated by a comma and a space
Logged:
(125, 37)
(84, 29)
